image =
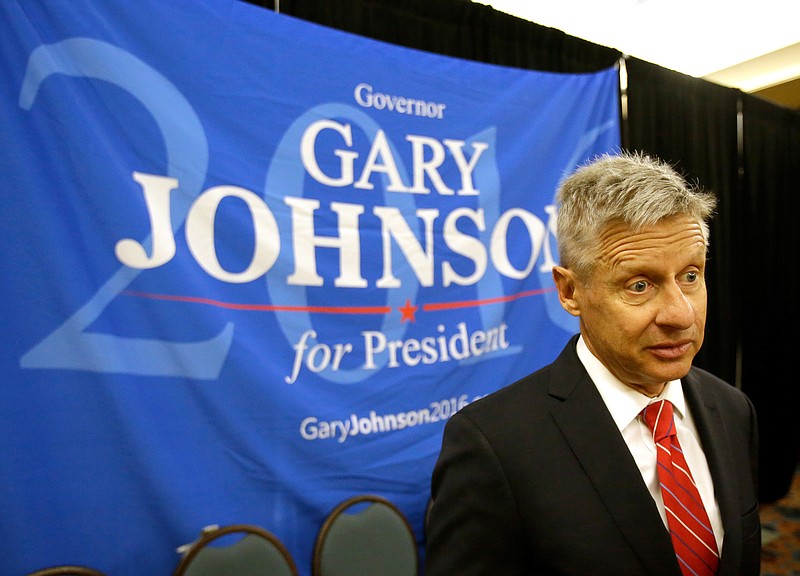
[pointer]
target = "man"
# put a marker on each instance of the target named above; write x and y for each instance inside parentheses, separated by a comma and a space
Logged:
(558, 472)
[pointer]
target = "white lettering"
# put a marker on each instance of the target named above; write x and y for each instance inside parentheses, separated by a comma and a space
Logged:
(381, 160)
(465, 167)
(320, 356)
(421, 260)
(465, 245)
(429, 167)
(457, 346)
(201, 236)
(309, 156)
(156, 191)
(499, 245)
(312, 429)
(381, 150)
(305, 241)
(367, 98)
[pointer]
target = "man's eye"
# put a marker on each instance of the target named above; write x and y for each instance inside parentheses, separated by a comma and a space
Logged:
(639, 286)
(691, 276)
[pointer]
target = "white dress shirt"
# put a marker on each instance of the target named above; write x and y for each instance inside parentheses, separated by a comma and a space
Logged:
(625, 405)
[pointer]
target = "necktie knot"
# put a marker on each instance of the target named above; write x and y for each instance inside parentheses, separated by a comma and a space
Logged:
(658, 417)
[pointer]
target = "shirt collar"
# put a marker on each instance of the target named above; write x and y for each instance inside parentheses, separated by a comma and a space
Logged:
(623, 402)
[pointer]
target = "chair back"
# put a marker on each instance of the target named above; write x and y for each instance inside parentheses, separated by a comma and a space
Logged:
(236, 550)
(67, 570)
(365, 535)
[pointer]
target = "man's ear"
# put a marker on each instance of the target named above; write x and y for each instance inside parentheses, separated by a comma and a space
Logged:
(565, 283)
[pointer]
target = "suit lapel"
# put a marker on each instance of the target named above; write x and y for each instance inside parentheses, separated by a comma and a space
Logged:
(595, 440)
(710, 428)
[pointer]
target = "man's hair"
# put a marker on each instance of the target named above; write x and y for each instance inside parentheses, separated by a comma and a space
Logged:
(629, 188)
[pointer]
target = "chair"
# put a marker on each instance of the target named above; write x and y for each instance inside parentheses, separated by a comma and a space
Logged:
(365, 535)
(236, 550)
(67, 571)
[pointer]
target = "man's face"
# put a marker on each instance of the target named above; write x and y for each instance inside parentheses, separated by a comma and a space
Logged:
(643, 311)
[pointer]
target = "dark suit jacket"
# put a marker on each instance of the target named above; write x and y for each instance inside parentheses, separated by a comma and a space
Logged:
(537, 479)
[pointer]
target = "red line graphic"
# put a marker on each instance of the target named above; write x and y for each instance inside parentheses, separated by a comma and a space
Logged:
(266, 307)
(473, 303)
(432, 307)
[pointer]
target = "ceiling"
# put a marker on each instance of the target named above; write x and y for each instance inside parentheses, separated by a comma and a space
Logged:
(753, 46)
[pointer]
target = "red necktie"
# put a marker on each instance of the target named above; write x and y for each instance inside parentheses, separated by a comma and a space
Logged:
(692, 535)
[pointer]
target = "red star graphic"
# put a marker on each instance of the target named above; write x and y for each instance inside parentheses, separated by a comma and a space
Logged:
(408, 312)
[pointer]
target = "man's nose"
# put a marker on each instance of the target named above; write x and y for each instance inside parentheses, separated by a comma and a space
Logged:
(676, 309)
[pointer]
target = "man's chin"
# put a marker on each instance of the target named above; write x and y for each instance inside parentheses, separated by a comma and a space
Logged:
(672, 371)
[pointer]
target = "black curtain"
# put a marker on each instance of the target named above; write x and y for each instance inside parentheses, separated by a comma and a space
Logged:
(770, 269)
(458, 28)
(741, 148)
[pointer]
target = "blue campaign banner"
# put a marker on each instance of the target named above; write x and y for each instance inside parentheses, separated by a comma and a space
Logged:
(251, 265)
